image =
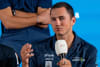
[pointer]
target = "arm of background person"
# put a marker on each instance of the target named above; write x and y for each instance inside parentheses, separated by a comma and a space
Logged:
(42, 6)
(44, 10)
(17, 22)
(41, 12)
(14, 22)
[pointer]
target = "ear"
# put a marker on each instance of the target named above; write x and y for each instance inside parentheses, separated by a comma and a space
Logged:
(73, 20)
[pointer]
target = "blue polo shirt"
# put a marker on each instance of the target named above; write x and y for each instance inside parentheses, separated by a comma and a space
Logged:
(15, 38)
(29, 33)
(81, 54)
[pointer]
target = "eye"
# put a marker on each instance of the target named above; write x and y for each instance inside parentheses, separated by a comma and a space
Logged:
(53, 19)
(61, 18)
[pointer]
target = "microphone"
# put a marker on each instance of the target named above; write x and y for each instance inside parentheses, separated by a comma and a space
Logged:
(61, 48)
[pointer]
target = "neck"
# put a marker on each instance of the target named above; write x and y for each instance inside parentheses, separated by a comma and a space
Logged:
(68, 37)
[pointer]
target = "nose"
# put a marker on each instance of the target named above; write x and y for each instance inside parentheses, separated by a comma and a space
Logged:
(58, 22)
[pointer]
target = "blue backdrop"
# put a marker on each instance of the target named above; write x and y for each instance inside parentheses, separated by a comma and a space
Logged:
(87, 23)
(0, 28)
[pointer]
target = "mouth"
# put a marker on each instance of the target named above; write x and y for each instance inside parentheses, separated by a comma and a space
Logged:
(59, 29)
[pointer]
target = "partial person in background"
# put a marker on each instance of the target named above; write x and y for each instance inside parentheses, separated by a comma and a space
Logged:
(24, 21)
(8, 57)
(80, 53)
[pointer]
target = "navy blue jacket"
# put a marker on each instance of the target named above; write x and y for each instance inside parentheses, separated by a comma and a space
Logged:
(81, 53)
(7, 57)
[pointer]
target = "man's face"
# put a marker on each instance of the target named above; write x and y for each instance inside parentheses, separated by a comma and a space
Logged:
(61, 21)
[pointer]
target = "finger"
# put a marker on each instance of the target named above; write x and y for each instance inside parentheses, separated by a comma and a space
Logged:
(26, 47)
(25, 59)
(29, 55)
(31, 50)
(25, 52)
(58, 63)
(43, 25)
(28, 51)
(49, 8)
(48, 11)
(67, 61)
(62, 62)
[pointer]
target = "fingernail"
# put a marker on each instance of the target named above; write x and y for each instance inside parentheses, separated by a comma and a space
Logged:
(30, 45)
(32, 50)
(32, 54)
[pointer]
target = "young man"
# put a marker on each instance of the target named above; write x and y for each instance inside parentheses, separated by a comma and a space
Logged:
(8, 57)
(80, 53)
(23, 20)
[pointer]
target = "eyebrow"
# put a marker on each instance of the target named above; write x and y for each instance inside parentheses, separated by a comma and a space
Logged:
(57, 17)
(61, 16)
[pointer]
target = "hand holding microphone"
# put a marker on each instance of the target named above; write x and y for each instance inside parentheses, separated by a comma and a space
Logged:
(61, 49)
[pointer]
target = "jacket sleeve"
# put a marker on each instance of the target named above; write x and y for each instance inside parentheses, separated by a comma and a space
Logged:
(91, 57)
(12, 59)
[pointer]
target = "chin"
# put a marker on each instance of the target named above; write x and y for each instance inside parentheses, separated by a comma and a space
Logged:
(60, 34)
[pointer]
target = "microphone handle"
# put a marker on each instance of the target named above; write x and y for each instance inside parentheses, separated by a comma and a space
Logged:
(62, 55)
